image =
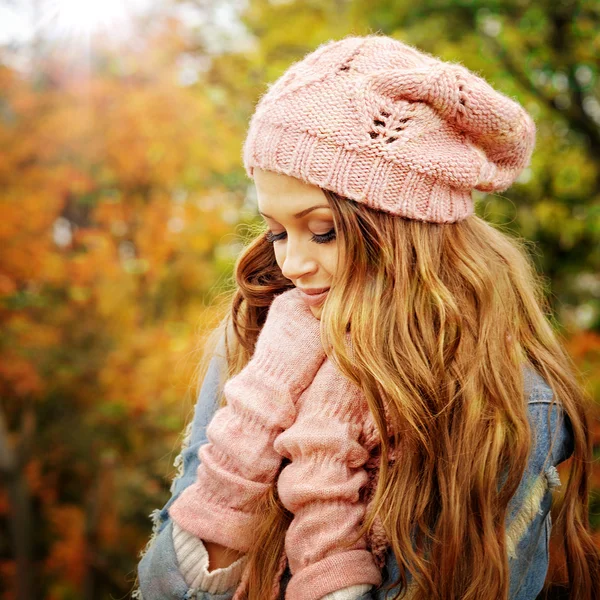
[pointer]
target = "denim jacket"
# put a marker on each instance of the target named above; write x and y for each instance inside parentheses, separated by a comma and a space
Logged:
(528, 516)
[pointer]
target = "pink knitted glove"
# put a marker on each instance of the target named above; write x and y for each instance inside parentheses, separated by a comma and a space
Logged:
(239, 463)
(289, 346)
(321, 486)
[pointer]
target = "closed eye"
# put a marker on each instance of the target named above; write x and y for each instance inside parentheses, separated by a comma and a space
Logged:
(319, 239)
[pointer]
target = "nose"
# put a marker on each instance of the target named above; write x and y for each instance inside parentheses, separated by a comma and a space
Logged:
(297, 261)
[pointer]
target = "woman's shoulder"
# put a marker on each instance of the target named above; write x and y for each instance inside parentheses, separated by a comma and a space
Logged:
(528, 510)
(551, 426)
(536, 387)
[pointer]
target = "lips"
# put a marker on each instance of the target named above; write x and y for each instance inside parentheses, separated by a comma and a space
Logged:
(313, 299)
(314, 291)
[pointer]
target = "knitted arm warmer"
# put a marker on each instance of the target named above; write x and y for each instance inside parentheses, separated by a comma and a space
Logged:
(238, 464)
(321, 487)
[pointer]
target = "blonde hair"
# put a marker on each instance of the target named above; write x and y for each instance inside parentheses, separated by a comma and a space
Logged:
(442, 317)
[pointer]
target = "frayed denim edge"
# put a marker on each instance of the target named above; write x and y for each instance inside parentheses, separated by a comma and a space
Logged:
(549, 479)
(155, 515)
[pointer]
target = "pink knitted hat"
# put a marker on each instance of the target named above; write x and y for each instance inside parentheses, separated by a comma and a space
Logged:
(380, 122)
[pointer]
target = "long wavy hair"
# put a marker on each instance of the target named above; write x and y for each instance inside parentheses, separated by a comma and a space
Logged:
(441, 318)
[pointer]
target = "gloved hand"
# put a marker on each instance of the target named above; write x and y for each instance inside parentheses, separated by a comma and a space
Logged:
(289, 345)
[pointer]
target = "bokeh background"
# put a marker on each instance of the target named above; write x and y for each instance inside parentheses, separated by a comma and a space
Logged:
(124, 203)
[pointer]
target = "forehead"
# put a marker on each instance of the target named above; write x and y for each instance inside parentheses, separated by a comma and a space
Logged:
(280, 195)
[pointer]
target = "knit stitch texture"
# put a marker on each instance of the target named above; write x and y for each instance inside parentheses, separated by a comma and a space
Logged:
(239, 464)
(267, 418)
(380, 122)
(321, 485)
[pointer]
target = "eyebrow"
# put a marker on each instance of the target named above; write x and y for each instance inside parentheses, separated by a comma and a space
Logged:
(302, 212)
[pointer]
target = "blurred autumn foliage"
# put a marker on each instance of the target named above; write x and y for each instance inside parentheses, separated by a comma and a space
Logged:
(121, 196)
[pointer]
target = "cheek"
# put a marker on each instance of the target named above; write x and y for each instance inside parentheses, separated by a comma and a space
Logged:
(330, 258)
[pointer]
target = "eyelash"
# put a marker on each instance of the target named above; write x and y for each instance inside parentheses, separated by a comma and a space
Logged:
(319, 239)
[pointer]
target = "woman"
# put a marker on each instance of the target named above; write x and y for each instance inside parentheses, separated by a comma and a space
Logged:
(427, 373)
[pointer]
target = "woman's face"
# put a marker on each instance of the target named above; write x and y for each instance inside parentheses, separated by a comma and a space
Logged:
(305, 245)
